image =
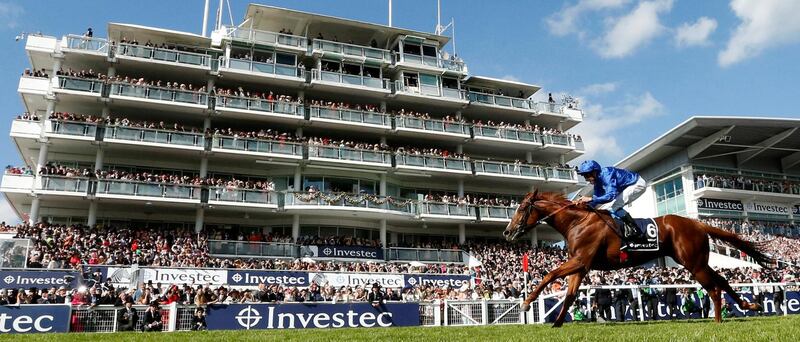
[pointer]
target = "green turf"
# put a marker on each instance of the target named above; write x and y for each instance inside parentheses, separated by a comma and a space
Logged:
(750, 329)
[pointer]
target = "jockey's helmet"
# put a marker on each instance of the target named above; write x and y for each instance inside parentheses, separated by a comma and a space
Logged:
(588, 167)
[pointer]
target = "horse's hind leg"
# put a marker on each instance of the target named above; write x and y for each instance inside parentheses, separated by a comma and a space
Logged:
(706, 277)
(572, 291)
(724, 286)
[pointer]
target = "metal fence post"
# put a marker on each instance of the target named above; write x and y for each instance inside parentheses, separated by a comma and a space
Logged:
(484, 312)
(541, 310)
(115, 326)
(446, 314)
(437, 314)
(173, 317)
(639, 300)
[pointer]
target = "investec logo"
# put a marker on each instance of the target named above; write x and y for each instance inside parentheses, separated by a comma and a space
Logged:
(21, 280)
(437, 282)
(248, 278)
(25, 323)
(348, 253)
(249, 318)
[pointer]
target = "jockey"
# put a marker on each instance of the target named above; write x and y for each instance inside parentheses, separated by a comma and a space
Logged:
(613, 189)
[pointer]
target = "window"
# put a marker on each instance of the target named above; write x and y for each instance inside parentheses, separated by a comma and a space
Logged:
(429, 50)
(412, 49)
(410, 80)
(669, 197)
(285, 59)
(429, 80)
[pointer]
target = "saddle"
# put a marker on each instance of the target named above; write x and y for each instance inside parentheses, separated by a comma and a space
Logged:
(648, 228)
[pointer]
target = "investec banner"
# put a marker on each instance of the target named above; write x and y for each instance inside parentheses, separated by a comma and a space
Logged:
(255, 277)
(768, 208)
(168, 275)
(355, 279)
(438, 280)
(38, 279)
(36, 318)
(346, 252)
(301, 316)
(719, 204)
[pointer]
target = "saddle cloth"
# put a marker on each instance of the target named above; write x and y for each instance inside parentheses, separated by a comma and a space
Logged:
(649, 228)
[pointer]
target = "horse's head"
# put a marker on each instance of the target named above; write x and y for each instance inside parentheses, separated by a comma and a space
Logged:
(524, 218)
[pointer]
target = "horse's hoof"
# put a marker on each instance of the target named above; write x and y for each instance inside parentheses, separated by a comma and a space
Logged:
(755, 307)
(525, 307)
(557, 325)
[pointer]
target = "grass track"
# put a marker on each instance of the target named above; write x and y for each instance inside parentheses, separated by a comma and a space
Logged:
(750, 329)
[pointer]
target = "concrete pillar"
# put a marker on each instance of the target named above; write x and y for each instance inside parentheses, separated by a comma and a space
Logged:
(33, 217)
(210, 84)
(301, 96)
(462, 233)
(227, 55)
(112, 71)
(57, 65)
(528, 122)
(458, 114)
(383, 106)
(529, 157)
(106, 112)
(299, 132)
(207, 123)
(42, 160)
(99, 157)
(204, 166)
(535, 236)
(198, 220)
(295, 227)
(382, 188)
(460, 148)
(383, 233)
(383, 140)
(92, 218)
(393, 238)
(460, 188)
(298, 180)
(51, 107)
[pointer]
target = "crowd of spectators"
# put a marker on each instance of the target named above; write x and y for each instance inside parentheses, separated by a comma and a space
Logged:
(28, 116)
(469, 199)
(742, 182)
(314, 142)
(522, 127)
(433, 152)
(35, 73)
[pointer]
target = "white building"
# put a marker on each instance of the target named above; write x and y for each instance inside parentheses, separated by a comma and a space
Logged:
(365, 193)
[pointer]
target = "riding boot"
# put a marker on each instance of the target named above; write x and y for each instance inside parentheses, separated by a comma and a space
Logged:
(631, 232)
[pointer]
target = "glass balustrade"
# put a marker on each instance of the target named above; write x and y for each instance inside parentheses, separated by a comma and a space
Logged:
(253, 249)
(426, 255)
(497, 212)
(80, 84)
(557, 139)
(76, 42)
(352, 50)
(235, 195)
(432, 125)
(266, 68)
(500, 100)
(260, 105)
(350, 200)
(507, 134)
(141, 189)
(560, 174)
(258, 145)
(448, 209)
(154, 136)
(549, 107)
(511, 169)
(356, 80)
(166, 55)
(344, 153)
(433, 162)
(435, 62)
(159, 93)
(65, 184)
(267, 37)
(81, 129)
(350, 115)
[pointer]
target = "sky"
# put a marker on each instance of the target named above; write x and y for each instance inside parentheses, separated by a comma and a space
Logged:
(638, 67)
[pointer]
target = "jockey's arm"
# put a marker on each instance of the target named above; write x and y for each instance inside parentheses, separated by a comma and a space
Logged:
(608, 195)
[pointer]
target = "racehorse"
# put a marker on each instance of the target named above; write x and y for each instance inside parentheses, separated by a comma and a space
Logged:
(592, 244)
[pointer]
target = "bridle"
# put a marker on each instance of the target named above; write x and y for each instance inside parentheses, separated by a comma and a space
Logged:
(543, 220)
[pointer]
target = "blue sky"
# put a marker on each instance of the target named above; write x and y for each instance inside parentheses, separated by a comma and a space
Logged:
(639, 67)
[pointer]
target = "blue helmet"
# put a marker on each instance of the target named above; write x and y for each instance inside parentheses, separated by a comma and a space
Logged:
(588, 166)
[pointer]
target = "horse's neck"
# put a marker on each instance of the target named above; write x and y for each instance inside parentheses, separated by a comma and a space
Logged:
(565, 220)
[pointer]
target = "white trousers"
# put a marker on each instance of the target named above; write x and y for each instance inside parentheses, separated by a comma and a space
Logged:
(628, 195)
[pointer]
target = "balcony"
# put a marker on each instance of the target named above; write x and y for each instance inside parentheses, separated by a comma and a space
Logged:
(504, 169)
(426, 255)
(162, 192)
(258, 147)
(223, 196)
(261, 68)
(555, 174)
(422, 89)
(496, 213)
(432, 62)
(154, 137)
(257, 106)
(507, 135)
(80, 85)
(72, 129)
(324, 47)
(414, 124)
(351, 117)
(58, 185)
(558, 141)
(350, 155)
(368, 205)
(447, 211)
(17, 183)
(268, 38)
(165, 55)
(373, 83)
(26, 129)
(501, 101)
(433, 163)
(251, 249)
(33, 85)
(184, 97)
(98, 46)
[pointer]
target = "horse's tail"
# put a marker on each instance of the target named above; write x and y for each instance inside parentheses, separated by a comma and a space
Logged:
(753, 249)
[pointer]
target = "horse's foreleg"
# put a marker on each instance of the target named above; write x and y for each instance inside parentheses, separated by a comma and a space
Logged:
(567, 268)
(572, 291)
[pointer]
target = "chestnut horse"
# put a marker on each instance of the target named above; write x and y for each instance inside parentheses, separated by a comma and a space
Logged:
(593, 245)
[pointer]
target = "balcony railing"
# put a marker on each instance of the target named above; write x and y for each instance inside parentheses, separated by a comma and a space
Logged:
(356, 80)
(352, 50)
(496, 212)
(507, 134)
(435, 62)
(349, 200)
(259, 105)
(422, 89)
(142, 189)
(247, 196)
(561, 174)
(65, 184)
(76, 42)
(259, 146)
(80, 84)
(267, 37)
(448, 209)
(433, 162)
(351, 115)
(266, 68)
(510, 169)
(253, 249)
(500, 100)
(81, 129)
(350, 154)
(426, 255)
(154, 136)
(558, 139)
(549, 107)
(159, 93)
(166, 55)
(432, 125)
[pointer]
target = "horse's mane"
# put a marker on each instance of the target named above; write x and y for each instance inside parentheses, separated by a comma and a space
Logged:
(553, 197)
